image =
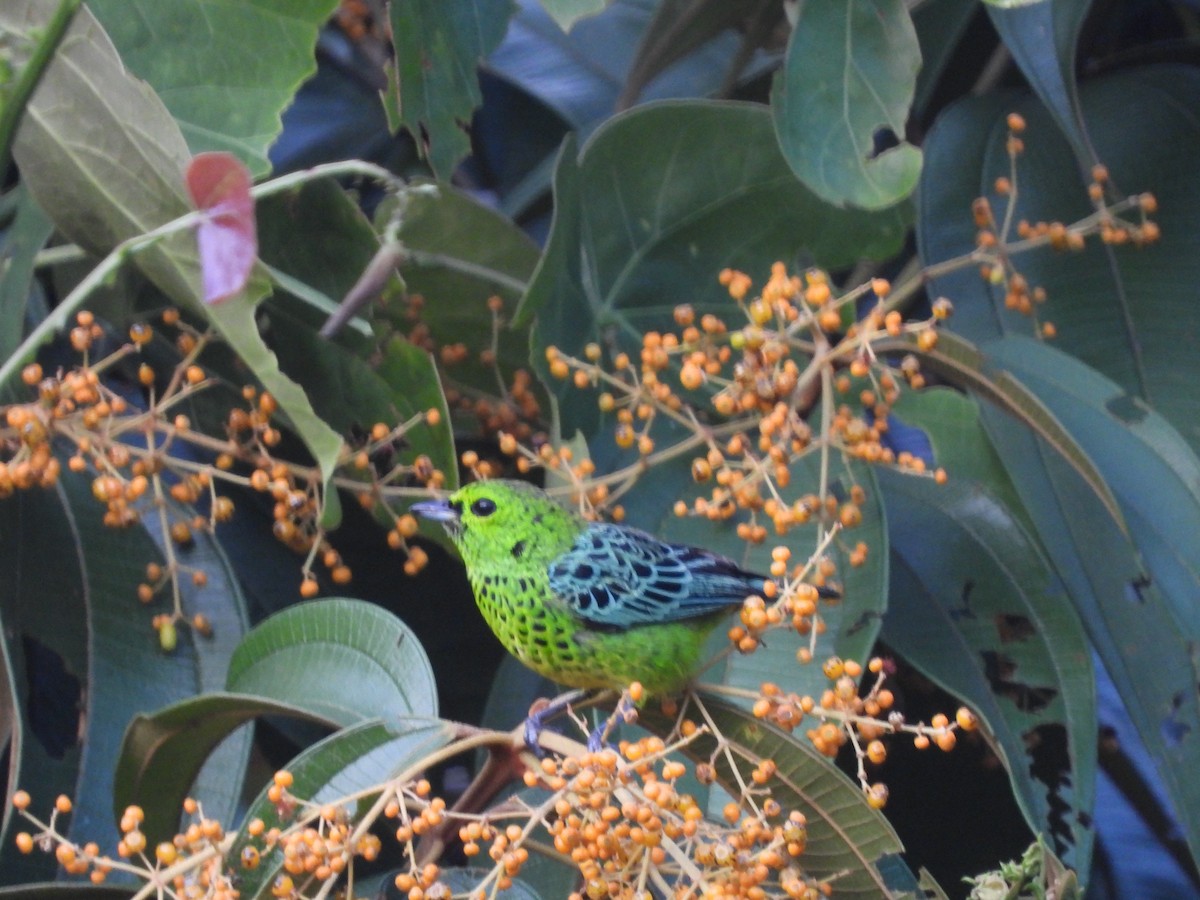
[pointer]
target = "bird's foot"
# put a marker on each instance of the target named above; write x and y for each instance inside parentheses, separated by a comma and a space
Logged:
(543, 711)
(625, 711)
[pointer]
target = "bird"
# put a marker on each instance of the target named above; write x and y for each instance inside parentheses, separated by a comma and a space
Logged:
(589, 605)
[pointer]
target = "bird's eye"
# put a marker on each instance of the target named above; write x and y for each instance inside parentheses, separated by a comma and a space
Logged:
(483, 507)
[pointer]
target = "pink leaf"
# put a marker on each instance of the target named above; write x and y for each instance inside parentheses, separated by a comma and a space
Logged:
(220, 188)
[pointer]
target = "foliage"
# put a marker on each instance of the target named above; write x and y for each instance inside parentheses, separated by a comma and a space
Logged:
(811, 298)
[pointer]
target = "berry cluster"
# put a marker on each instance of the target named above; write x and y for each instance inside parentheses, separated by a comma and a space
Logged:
(995, 251)
(144, 465)
(513, 408)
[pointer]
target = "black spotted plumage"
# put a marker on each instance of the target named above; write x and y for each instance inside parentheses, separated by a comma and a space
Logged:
(615, 577)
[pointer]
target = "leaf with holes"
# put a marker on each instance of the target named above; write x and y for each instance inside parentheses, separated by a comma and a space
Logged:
(850, 71)
(976, 606)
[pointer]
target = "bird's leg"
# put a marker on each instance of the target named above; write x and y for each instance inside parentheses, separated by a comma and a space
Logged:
(625, 711)
(542, 712)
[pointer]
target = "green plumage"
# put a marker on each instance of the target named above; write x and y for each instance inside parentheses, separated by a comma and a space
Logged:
(587, 605)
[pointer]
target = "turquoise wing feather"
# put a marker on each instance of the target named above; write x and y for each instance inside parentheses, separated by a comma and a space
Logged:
(615, 578)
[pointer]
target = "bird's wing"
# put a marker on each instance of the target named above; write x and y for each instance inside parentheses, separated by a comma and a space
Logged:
(616, 578)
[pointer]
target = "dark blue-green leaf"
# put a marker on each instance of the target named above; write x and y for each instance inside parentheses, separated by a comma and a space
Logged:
(976, 606)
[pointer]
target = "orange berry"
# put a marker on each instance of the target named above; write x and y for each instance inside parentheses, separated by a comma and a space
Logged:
(877, 795)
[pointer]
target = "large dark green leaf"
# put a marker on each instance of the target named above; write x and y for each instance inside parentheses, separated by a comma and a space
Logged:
(339, 662)
(850, 71)
(344, 660)
(162, 753)
(1041, 35)
(963, 365)
(197, 55)
(438, 46)
(1154, 474)
(81, 670)
(1127, 619)
(976, 606)
(658, 201)
(1120, 314)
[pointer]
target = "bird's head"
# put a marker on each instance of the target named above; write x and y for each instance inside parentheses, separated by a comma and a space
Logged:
(503, 521)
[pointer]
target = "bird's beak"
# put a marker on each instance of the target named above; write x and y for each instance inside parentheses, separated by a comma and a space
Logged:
(437, 510)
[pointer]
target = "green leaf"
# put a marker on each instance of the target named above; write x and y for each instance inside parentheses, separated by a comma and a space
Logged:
(1041, 35)
(104, 158)
(438, 46)
(194, 53)
(351, 395)
(343, 660)
(458, 253)
(415, 388)
(850, 71)
(567, 12)
(1154, 474)
(845, 836)
(350, 761)
(97, 148)
(964, 366)
(23, 63)
(162, 753)
(1118, 313)
(235, 320)
(662, 198)
(85, 658)
(317, 235)
(21, 242)
(679, 28)
(976, 607)
(338, 662)
(1127, 619)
